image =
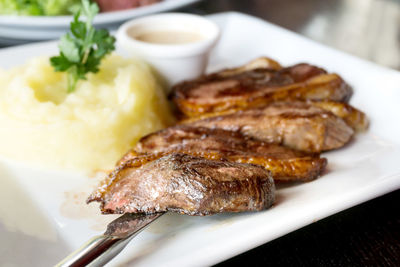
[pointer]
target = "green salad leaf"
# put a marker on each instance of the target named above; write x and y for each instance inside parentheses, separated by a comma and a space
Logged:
(83, 48)
(59, 7)
(38, 7)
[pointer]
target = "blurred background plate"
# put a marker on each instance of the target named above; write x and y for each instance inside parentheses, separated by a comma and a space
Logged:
(20, 29)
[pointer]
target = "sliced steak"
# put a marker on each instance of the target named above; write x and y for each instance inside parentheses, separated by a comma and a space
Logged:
(298, 125)
(284, 163)
(249, 86)
(355, 118)
(188, 185)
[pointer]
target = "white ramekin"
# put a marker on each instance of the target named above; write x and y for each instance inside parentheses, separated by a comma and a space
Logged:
(174, 62)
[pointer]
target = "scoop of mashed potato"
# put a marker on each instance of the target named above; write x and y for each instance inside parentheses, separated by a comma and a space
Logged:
(89, 129)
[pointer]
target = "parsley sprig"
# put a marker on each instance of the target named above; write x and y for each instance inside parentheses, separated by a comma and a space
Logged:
(83, 48)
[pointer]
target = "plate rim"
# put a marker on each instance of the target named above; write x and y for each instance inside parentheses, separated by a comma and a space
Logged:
(54, 22)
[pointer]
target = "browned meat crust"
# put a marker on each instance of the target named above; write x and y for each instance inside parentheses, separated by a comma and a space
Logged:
(284, 163)
(186, 184)
(355, 118)
(258, 63)
(249, 86)
(298, 125)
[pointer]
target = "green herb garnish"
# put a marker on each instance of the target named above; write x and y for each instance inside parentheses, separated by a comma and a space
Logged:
(82, 49)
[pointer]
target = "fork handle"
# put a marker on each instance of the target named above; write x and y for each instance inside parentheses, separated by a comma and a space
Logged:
(96, 252)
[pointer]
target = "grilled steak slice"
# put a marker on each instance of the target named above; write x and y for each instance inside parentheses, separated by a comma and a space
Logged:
(355, 118)
(186, 184)
(284, 163)
(258, 63)
(297, 125)
(248, 87)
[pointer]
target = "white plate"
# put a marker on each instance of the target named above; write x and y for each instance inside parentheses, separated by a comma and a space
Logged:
(14, 28)
(44, 218)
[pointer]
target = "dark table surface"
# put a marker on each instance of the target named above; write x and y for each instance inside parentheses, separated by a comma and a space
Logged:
(368, 234)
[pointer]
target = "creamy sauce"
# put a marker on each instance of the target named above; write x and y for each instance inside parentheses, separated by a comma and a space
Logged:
(169, 37)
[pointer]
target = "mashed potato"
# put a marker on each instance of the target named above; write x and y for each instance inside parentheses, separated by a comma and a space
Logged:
(89, 129)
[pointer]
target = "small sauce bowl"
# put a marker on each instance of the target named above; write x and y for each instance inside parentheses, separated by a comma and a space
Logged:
(177, 45)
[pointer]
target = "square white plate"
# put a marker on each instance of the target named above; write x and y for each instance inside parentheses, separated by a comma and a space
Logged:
(43, 216)
(35, 28)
